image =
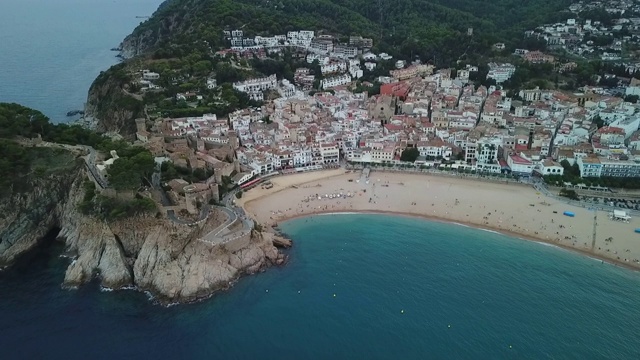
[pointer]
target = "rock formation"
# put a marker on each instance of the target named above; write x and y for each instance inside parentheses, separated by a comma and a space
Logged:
(167, 259)
(110, 106)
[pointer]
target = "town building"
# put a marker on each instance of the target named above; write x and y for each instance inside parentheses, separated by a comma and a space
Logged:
(500, 72)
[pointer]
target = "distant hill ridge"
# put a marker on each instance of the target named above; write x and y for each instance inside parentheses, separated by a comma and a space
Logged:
(429, 29)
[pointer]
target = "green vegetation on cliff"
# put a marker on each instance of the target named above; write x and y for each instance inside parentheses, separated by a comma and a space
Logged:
(17, 120)
(133, 167)
(21, 163)
(110, 101)
(110, 208)
(179, 42)
(428, 28)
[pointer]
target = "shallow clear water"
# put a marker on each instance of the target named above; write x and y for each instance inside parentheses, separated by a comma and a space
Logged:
(52, 50)
(404, 288)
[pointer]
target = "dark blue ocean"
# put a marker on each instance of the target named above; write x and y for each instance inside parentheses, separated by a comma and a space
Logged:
(52, 50)
(356, 287)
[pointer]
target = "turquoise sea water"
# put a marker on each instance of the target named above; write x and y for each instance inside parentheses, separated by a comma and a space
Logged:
(52, 50)
(404, 289)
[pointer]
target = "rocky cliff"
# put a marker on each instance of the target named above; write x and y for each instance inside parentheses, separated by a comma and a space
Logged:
(151, 253)
(111, 107)
(167, 20)
(26, 216)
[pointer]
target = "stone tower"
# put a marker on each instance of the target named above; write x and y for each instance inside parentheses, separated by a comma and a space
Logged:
(236, 164)
(233, 139)
(141, 125)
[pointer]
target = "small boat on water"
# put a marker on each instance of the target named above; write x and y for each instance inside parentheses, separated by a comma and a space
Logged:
(637, 230)
(569, 214)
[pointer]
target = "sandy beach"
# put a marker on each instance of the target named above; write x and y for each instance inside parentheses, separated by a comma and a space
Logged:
(513, 209)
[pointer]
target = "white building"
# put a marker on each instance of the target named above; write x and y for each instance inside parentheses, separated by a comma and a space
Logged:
(261, 167)
(356, 72)
(369, 57)
(550, 167)
(286, 89)
(335, 81)
(211, 83)
(434, 149)
(500, 72)
(334, 67)
(487, 151)
(629, 125)
(255, 87)
(632, 90)
(531, 94)
(302, 157)
(259, 84)
(519, 165)
(462, 75)
(345, 51)
(302, 38)
(150, 75)
(330, 153)
(589, 167)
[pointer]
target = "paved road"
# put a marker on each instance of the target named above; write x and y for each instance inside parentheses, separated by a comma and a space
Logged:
(90, 161)
(542, 188)
(213, 236)
(219, 235)
(204, 213)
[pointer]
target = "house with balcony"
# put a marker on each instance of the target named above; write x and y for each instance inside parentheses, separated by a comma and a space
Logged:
(589, 166)
(550, 167)
(519, 165)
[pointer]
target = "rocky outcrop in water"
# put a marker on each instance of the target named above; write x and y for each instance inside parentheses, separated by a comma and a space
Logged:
(150, 252)
(186, 268)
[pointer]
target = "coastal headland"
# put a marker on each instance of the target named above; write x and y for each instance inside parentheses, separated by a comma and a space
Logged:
(514, 209)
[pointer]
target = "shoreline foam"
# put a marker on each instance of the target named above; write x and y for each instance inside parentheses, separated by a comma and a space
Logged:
(514, 235)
